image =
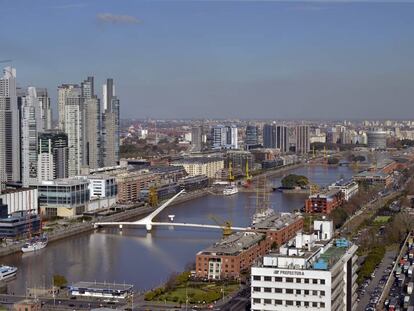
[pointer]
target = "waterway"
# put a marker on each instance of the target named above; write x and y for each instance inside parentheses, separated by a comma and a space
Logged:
(145, 260)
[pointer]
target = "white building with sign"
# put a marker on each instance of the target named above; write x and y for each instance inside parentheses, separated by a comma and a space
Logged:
(308, 273)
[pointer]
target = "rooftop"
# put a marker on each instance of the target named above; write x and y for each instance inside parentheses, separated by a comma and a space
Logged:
(277, 221)
(96, 286)
(234, 244)
(63, 182)
(198, 160)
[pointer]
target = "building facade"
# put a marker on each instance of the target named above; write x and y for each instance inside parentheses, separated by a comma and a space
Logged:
(208, 166)
(302, 139)
(9, 128)
(309, 273)
(324, 202)
(20, 200)
(196, 138)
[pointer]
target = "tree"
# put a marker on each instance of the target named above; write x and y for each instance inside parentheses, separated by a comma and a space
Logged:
(292, 181)
(59, 280)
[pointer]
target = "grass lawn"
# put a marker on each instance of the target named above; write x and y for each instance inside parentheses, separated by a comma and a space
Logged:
(198, 292)
(381, 220)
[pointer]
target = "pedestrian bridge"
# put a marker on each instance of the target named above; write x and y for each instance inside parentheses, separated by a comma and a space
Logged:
(148, 222)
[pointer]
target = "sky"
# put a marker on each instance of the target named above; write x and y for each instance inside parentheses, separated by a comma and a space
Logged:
(250, 59)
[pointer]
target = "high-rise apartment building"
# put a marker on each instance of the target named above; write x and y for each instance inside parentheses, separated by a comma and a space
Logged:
(92, 127)
(63, 91)
(74, 128)
(32, 123)
(225, 137)
(53, 154)
(45, 109)
(196, 138)
(269, 136)
(9, 128)
(302, 139)
(110, 125)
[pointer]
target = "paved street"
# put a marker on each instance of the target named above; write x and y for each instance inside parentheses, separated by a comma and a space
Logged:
(388, 259)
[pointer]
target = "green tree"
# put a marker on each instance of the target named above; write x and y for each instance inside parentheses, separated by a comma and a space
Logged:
(292, 181)
(59, 280)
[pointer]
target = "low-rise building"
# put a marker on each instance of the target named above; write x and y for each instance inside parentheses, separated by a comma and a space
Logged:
(21, 199)
(231, 256)
(208, 166)
(193, 183)
(19, 224)
(324, 202)
(27, 305)
(348, 187)
(63, 197)
(103, 191)
(308, 273)
(101, 290)
(373, 178)
(280, 227)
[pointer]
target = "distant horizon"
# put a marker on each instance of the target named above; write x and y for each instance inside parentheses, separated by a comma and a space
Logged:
(221, 59)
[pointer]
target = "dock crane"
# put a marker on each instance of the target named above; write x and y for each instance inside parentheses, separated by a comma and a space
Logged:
(231, 176)
(225, 225)
(248, 176)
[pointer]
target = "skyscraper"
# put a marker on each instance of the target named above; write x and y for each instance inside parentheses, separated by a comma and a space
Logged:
(9, 128)
(302, 139)
(63, 91)
(224, 137)
(110, 125)
(45, 109)
(31, 124)
(269, 136)
(282, 138)
(252, 136)
(53, 153)
(92, 128)
(196, 138)
(74, 128)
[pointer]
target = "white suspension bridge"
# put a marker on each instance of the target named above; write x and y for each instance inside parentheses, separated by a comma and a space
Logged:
(148, 222)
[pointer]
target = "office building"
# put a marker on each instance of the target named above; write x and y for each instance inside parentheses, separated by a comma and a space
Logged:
(53, 155)
(20, 200)
(63, 91)
(19, 224)
(302, 139)
(252, 136)
(102, 189)
(196, 138)
(9, 128)
(63, 197)
(110, 125)
(240, 161)
(310, 272)
(276, 136)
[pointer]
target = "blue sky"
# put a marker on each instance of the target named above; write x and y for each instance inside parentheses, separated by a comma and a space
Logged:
(221, 59)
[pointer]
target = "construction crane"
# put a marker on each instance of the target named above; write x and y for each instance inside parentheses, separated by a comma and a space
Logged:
(231, 176)
(225, 225)
(248, 176)
(153, 196)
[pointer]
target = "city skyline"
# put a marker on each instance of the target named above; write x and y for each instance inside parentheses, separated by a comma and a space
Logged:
(246, 59)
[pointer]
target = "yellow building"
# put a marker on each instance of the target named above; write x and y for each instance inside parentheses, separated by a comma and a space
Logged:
(208, 166)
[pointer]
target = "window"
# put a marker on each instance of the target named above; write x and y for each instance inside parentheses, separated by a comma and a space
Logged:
(298, 303)
(289, 291)
(306, 292)
(256, 278)
(306, 281)
(298, 280)
(256, 300)
(267, 301)
(278, 290)
(314, 304)
(268, 278)
(267, 290)
(278, 279)
(278, 302)
(289, 302)
(256, 289)
(289, 280)
(315, 281)
(298, 292)
(315, 293)
(322, 305)
(306, 303)
(322, 282)
(322, 293)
